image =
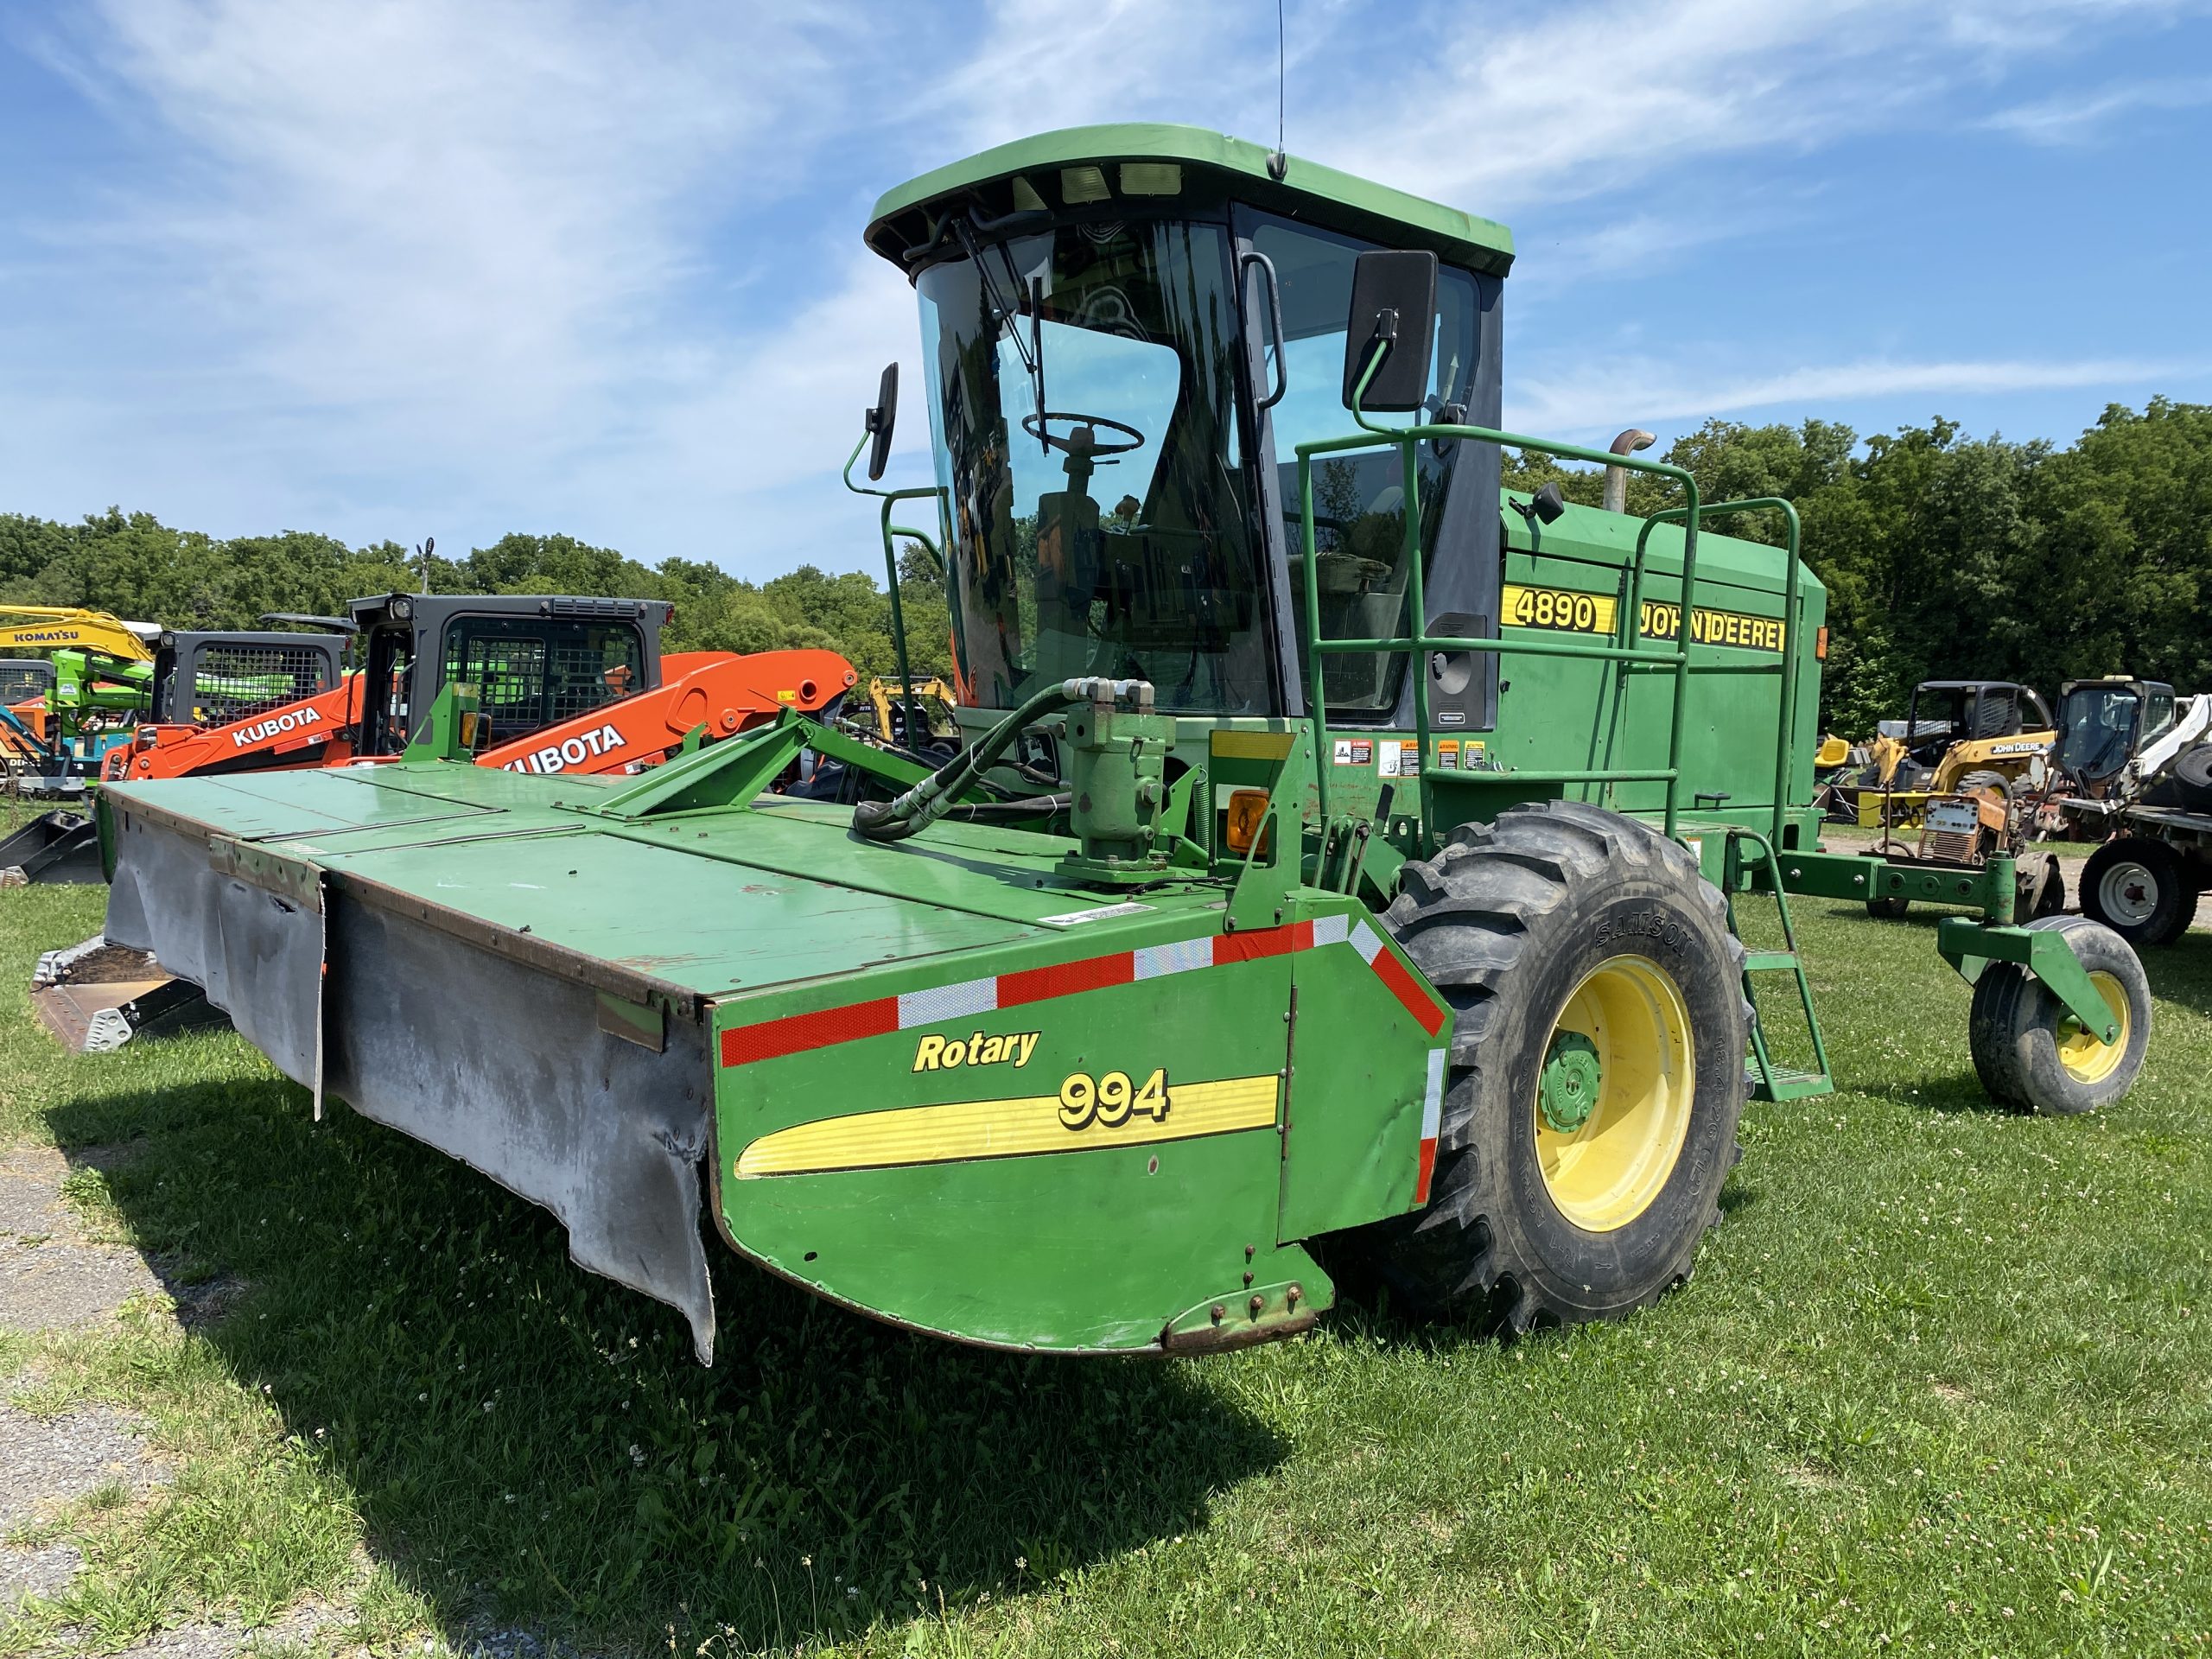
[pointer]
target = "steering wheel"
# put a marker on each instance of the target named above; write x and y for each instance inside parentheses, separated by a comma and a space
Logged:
(1037, 427)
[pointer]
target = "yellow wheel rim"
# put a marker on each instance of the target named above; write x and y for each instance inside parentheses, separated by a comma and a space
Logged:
(1612, 1105)
(2086, 1059)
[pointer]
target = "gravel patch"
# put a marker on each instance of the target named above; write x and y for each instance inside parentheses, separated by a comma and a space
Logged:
(47, 1462)
(65, 1286)
(52, 1276)
(35, 1573)
(30, 1195)
(297, 1628)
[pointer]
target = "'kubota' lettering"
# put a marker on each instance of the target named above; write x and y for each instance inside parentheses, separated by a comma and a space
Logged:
(572, 751)
(276, 726)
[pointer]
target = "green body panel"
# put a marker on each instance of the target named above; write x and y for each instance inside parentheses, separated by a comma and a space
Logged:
(1360, 1068)
(1087, 1246)
(1214, 164)
(1559, 712)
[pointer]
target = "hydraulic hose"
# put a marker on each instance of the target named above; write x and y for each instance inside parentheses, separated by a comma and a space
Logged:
(932, 798)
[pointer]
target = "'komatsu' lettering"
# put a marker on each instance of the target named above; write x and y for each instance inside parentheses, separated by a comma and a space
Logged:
(276, 726)
(573, 750)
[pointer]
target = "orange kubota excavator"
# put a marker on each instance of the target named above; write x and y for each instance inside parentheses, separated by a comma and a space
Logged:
(565, 686)
(575, 685)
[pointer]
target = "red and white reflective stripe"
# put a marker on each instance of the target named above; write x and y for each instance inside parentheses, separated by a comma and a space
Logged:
(795, 1034)
(1432, 1124)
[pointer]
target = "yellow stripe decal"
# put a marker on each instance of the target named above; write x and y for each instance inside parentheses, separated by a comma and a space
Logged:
(1563, 610)
(1020, 1127)
(1252, 746)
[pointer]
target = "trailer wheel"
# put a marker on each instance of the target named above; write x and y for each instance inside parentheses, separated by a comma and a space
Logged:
(1889, 907)
(2031, 1052)
(1597, 1068)
(2139, 889)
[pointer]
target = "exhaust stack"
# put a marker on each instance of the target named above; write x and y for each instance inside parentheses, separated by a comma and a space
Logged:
(1635, 438)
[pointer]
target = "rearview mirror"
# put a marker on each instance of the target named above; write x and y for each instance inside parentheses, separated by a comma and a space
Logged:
(1393, 310)
(880, 420)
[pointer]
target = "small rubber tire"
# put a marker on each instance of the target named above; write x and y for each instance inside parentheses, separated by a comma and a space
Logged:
(2044, 895)
(2140, 889)
(1889, 907)
(2015, 1027)
(1509, 923)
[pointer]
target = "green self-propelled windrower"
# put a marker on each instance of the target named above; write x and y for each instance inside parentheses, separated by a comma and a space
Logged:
(1339, 872)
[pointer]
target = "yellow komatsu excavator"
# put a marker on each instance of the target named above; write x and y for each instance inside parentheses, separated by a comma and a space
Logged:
(54, 627)
(932, 700)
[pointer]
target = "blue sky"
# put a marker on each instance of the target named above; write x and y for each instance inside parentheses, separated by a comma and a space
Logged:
(455, 267)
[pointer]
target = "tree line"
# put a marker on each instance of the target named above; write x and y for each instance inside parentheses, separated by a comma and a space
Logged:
(1952, 557)
(1945, 557)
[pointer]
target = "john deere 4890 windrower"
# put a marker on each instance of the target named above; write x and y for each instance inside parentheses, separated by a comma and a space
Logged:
(1341, 867)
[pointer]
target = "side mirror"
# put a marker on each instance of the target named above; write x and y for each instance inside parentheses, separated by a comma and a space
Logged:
(1393, 310)
(881, 421)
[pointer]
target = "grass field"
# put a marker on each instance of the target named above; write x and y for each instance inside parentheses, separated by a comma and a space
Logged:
(1942, 1384)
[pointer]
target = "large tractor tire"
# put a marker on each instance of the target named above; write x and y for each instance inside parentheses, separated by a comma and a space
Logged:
(2191, 779)
(1976, 781)
(2140, 889)
(2031, 1052)
(1596, 1074)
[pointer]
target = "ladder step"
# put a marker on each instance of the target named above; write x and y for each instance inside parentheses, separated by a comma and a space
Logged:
(1782, 1084)
(1767, 962)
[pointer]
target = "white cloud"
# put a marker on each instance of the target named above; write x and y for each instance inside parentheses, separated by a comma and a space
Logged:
(1645, 390)
(2075, 117)
(465, 208)
(1592, 97)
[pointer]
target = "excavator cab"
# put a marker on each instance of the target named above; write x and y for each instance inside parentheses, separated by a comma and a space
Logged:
(533, 660)
(212, 679)
(2104, 724)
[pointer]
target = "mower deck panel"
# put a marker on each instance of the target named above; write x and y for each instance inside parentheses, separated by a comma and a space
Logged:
(481, 959)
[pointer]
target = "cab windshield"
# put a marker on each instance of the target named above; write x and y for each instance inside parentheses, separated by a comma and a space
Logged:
(2097, 730)
(1082, 395)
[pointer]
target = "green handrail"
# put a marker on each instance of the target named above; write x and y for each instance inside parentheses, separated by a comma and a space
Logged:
(1420, 642)
(890, 499)
(1786, 735)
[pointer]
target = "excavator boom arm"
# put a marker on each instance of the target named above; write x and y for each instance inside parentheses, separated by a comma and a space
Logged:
(705, 690)
(44, 627)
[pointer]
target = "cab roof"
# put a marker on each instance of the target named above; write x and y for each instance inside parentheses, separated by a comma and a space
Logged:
(1155, 162)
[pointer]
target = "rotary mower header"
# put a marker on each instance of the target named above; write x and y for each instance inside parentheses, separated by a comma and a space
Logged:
(1338, 873)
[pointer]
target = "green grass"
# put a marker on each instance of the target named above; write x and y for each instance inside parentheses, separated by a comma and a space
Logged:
(1942, 1384)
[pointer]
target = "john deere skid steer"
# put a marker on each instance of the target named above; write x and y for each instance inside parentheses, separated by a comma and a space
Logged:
(1338, 870)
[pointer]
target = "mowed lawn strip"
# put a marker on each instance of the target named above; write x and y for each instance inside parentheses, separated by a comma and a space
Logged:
(1942, 1384)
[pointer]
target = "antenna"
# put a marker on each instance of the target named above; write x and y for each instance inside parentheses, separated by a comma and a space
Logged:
(1279, 162)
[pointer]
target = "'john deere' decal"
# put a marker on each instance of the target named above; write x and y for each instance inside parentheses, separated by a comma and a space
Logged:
(1562, 610)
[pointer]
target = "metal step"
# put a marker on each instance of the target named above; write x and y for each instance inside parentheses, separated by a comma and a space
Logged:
(1747, 851)
(1780, 1084)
